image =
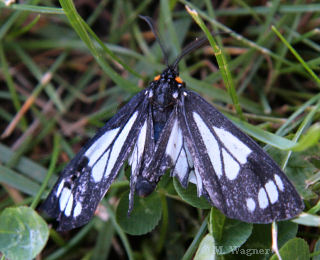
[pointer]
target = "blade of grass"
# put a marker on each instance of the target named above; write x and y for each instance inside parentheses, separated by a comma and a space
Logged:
(46, 77)
(120, 232)
(310, 138)
(33, 8)
(197, 239)
(223, 65)
(275, 140)
(299, 58)
(17, 181)
(54, 159)
(76, 22)
(10, 85)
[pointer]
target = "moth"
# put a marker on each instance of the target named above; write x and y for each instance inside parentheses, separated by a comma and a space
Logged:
(167, 126)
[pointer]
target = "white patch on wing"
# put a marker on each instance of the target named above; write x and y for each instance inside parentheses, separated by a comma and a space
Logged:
(263, 198)
(99, 168)
(68, 209)
(179, 153)
(237, 148)
(64, 197)
(279, 182)
(199, 183)
(138, 148)
(60, 188)
(100, 146)
(211, 144)
(272, 191)
(251, 205)
(175, 142)
(192, 177)
(181, 167)
(231, 166)
(117, 146)
(77, 209)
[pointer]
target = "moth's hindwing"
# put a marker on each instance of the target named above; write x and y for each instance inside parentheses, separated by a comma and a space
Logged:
(231, 170)
(85, 180)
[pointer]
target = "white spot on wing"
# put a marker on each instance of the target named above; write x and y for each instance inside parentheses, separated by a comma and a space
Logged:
(100, 146)
(251, 205)
(175, 95)
(60, 188)
(117, 146)
(263, 198)
(279, 182)
(211, 144)
(68, 209)
(64, 197)
(99, 168)
(237, 148)
(231, 166)
(77, 209)
(272, 191)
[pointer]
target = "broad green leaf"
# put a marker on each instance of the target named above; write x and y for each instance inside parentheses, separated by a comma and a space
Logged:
(286, 231)
(190, 195)
(228, 233)
(23, 233)
(296, 248)
(206, 249)
(258, 246)
(144, 217)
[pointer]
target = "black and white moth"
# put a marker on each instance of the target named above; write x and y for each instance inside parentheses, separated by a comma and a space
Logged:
(167, 126)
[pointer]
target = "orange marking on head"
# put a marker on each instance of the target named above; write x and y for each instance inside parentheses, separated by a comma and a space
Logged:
(178, 80)
(156, 78)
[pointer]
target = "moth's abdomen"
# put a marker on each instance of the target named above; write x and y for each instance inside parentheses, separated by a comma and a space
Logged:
(158, 127)
(144, 187)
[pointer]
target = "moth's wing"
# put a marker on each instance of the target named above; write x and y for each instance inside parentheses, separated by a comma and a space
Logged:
(142, 152)
(240, 179)
(85, 180)
(171, 152)
(166, 151)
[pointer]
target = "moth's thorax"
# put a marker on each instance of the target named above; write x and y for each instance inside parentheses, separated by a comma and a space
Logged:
(165, 89)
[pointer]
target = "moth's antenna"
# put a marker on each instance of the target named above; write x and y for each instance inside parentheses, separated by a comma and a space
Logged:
(192, 46)
(159, 39)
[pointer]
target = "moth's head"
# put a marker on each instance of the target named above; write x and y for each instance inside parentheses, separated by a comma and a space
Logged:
(169, 75)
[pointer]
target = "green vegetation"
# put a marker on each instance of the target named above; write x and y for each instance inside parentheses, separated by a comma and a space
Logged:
(66, 71)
